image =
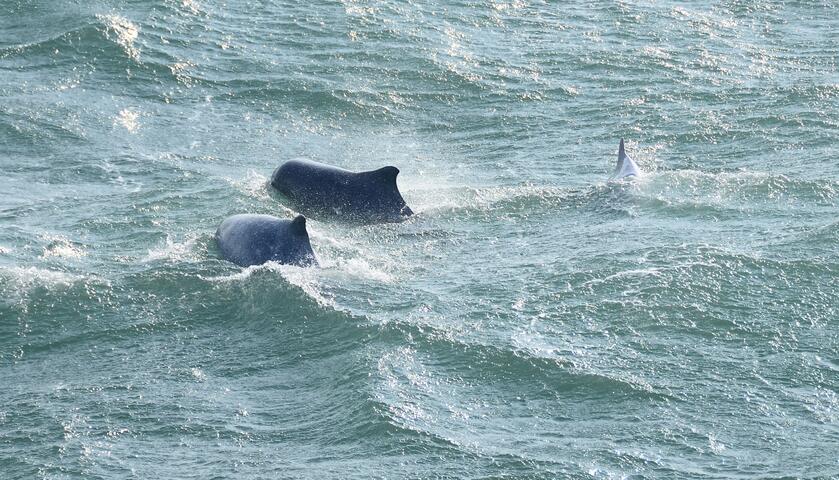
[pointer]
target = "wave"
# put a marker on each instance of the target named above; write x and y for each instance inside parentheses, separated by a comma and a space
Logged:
(109, 43)
(21, 279)
(750, 186)
(431, 393)
(515, 361)
(175, 251)
(524, 202)
(731, 195)
(32, 131)
(675, 191)
(62, 247)
(816, 244)
(110, 36)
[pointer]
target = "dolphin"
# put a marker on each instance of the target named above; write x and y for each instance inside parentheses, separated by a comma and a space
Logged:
(626, 166)
(255, 239)
(324, 191)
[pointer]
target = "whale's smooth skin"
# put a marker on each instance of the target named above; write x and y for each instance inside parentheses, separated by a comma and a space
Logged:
(323, 191)
(255, 239)
(626, 167)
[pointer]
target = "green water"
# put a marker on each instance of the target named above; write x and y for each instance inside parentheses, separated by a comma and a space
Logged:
(531, 321)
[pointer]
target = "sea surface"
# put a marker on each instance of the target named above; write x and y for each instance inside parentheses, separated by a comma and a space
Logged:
(532, 320)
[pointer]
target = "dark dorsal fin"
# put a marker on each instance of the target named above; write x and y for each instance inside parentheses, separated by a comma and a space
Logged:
(298, 226)
(621, 151)
(385, 175)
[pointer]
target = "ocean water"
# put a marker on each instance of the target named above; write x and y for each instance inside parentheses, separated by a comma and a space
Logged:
(531, 321)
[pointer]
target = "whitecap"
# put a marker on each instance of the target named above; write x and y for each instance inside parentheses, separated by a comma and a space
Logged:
(128, 119)
(191, 6)
(63, 248)
(254, 185)
(303, 278)
(361, 268)
(174, 250)
(25, 278)
(125, 31)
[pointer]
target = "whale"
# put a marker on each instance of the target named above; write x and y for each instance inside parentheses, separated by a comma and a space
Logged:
(626, 167)
(249, 239)
(323, 191)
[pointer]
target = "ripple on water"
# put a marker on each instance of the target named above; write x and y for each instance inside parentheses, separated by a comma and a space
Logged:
(530, 321)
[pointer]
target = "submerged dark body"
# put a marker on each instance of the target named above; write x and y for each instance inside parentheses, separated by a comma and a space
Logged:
(255, 239)
(319, 190)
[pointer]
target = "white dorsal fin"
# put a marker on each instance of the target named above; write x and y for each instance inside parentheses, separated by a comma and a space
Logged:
(626, 166)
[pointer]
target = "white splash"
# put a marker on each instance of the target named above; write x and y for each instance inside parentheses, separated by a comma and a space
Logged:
(29, 277)
(198, 374)
(128, 119)
(361, 268)
(125, 31)
(254, 185)
(715, 445)
(180, 71)
(303, 278)
(62, 247)
(190, 5)
(515, 5)
(173, 251)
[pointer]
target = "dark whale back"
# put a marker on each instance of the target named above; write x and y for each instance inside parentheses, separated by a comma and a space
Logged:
(319, 190)
(255, 239)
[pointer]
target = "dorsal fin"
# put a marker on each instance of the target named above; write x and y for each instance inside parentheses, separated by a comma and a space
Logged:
(626, 166)
(385, 175)
(298, 225)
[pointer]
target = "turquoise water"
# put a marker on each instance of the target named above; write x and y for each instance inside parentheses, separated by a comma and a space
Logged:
(531, 321)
